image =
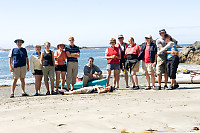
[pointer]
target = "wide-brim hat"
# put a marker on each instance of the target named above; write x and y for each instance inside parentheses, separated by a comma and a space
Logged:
(60, 44)
(148, 36)
(162, 31)
(19, 40)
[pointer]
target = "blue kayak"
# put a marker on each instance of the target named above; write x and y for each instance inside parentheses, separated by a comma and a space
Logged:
(78, 85)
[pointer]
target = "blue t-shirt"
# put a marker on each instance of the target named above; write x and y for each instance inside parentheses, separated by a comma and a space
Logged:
(72, 49)
(171, 49)
(18, 57)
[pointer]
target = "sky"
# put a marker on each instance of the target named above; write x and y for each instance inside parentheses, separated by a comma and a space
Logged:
(94, 22)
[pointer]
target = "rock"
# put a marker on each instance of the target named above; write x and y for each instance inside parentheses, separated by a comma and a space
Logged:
(190, 54)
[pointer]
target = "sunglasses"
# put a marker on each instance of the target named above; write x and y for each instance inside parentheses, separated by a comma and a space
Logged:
(120, 38)
(147, 38)
(71, 40)
(131, 41)
(91, 61)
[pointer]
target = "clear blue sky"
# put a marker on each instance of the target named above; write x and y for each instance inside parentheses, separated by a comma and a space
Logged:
(94, 22)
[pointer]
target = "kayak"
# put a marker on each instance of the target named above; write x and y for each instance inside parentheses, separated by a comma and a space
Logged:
(79, 84)
(187, 78)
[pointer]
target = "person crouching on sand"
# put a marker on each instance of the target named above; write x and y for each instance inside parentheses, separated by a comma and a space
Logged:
(132, 62)
(91, 72)
(113, 55)
(18, 63)
(48, 69)
(148, 54)
(88, 90)
(172, 60)
(60, 65)
(36, 68)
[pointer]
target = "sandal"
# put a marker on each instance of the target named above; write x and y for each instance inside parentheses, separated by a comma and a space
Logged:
(53, 93)
(148, 88)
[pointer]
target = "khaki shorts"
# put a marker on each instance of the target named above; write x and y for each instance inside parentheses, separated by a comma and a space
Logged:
(147, 67)
(19, 72)
(48, 72)
(86, 90)
(136, 67)
(161, 65)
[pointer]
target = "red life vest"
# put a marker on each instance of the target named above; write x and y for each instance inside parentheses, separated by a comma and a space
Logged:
(111, 52)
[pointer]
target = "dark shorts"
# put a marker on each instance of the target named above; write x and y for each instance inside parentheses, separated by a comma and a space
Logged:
(62, 68)
(113, 66)
(172, 65)
(38, 72)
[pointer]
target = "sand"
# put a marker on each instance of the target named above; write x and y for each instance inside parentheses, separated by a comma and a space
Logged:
(134, 110)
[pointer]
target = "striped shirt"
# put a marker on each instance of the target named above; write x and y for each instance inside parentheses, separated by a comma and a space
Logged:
(72, 49)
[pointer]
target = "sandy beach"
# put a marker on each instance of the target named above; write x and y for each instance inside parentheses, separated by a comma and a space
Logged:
(134, 110)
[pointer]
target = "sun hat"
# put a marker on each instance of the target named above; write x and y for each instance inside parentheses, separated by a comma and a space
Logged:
(120, 36)
(60, 44)
(148, 36)
(161, 31)
(16, 40)
(112, 40)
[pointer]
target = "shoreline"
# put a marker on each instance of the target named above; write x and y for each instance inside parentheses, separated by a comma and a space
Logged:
(134, 110)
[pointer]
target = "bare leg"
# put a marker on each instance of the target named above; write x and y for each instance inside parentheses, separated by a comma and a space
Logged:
(73, 92)
(22, 85)
(126, 78)
(116, 77)
(63, 79)
(68, 86)
(52, 86)
(37, 83)
(47, 85)
(166, 78)
(57, 79)
(72, 86)
(153, 79)
(13, 86)
(134, 78)
(108, 77)
(159, 79)
(148, 78)
(40, 82)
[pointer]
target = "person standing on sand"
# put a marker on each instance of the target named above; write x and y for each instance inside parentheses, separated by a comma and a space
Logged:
(73, 53)
(132, 52)
(172, 60)
(47, 62)
(148, 54)
(18, 63)
(60, 65)
(113, 55)
(122, 46)
(161, 60)
(36, 68)
(89, 72)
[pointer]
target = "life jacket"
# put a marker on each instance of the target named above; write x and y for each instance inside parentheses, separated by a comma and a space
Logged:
(111, 52)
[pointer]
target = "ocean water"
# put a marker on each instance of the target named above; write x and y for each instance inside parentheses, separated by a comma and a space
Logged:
(98, 53)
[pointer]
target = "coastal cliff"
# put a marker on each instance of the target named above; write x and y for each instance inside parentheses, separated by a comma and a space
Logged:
(190, 54)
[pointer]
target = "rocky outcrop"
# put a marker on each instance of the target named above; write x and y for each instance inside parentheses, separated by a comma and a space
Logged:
(190, 54)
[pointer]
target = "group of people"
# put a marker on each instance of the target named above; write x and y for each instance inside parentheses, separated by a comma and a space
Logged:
(159, 57)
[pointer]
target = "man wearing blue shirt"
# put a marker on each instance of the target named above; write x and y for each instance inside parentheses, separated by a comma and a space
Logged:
(73, 53)
(18, 59)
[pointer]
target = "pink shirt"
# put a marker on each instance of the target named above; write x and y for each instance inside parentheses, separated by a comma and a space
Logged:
(146, 55)
(133, 49)
(61, 60)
